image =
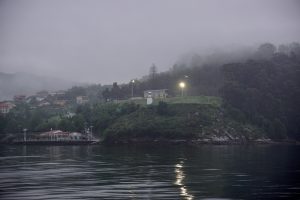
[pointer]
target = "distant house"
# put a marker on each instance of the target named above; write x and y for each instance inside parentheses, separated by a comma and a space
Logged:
(39, 99)
(58, 93)
(5, 107)
(58, 135)
(60, 102)
(82, 99)
(162, 93)
(43, 103)
(77, 136)
(70, 114)
(30, 99)
(19, 98)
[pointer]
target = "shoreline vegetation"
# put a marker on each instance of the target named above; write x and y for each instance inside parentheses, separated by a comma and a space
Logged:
(249, 98)
(191, 124)
(179, 124)
(190, 120)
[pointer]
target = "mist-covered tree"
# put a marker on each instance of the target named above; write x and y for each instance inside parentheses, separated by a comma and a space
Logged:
(106, 94)
(75, 91)
(295, 48)
(153, 76)
(267, 92)
(3, 123)
(266, 50)
(115, 91)
(284, 49)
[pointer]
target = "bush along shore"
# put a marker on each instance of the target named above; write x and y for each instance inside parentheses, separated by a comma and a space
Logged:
(162, 122)
(182, 123)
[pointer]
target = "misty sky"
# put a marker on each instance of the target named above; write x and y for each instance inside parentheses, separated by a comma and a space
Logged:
(117, 40)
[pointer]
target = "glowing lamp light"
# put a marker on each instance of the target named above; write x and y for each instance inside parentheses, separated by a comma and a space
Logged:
(182, 85)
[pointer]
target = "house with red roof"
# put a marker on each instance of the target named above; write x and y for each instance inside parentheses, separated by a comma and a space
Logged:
(5, 107)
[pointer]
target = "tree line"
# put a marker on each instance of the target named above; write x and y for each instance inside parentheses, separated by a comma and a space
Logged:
(266, 91)
(262, 87)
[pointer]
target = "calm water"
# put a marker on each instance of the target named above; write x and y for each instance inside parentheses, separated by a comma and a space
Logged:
(152, 172)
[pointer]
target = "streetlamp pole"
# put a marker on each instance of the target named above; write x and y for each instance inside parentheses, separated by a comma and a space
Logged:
(132, 82)
(182, 86)
(91, 132)
(186, 77)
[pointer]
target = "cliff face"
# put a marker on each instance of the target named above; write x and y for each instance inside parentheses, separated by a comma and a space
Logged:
(181, 122)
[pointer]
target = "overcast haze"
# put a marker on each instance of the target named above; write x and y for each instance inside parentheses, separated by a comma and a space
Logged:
(106, 41)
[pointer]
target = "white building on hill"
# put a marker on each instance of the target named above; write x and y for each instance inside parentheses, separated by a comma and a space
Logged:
(156, 94)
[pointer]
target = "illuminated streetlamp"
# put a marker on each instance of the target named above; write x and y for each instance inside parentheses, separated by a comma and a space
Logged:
(182, 86)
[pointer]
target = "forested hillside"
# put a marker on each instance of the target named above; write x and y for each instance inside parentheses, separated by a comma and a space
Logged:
(259, 90)
(266, 92)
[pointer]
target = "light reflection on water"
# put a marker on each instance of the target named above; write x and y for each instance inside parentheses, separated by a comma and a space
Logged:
(152, 172)
(179, 181)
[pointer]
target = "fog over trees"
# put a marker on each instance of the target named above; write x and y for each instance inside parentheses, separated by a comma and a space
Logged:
(260, 87)
(107, 41)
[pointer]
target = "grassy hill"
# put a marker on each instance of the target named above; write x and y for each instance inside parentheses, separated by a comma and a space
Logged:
(198, 118)
(208, 100)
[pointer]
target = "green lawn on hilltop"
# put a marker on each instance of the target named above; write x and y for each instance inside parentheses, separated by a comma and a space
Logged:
(212, 100)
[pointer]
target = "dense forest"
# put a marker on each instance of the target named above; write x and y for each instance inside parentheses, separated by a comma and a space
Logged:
(266, 91)
(261, 87)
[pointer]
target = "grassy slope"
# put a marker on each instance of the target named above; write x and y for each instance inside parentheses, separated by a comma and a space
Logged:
(183, 118)
(181, 100)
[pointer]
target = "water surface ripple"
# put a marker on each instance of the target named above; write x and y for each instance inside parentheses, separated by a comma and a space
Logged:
(151, 172)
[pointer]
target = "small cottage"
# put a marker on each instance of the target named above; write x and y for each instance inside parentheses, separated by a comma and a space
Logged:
(156, 94)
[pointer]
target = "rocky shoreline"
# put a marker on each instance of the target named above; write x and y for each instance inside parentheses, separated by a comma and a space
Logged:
(216, 141)
(211, 140)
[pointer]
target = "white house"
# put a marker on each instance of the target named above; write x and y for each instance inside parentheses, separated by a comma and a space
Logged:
(156, 94)
(82, 99)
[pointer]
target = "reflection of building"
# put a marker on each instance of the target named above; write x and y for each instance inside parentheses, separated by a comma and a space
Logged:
(5, 107)
(82, 99)
(162, 93)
